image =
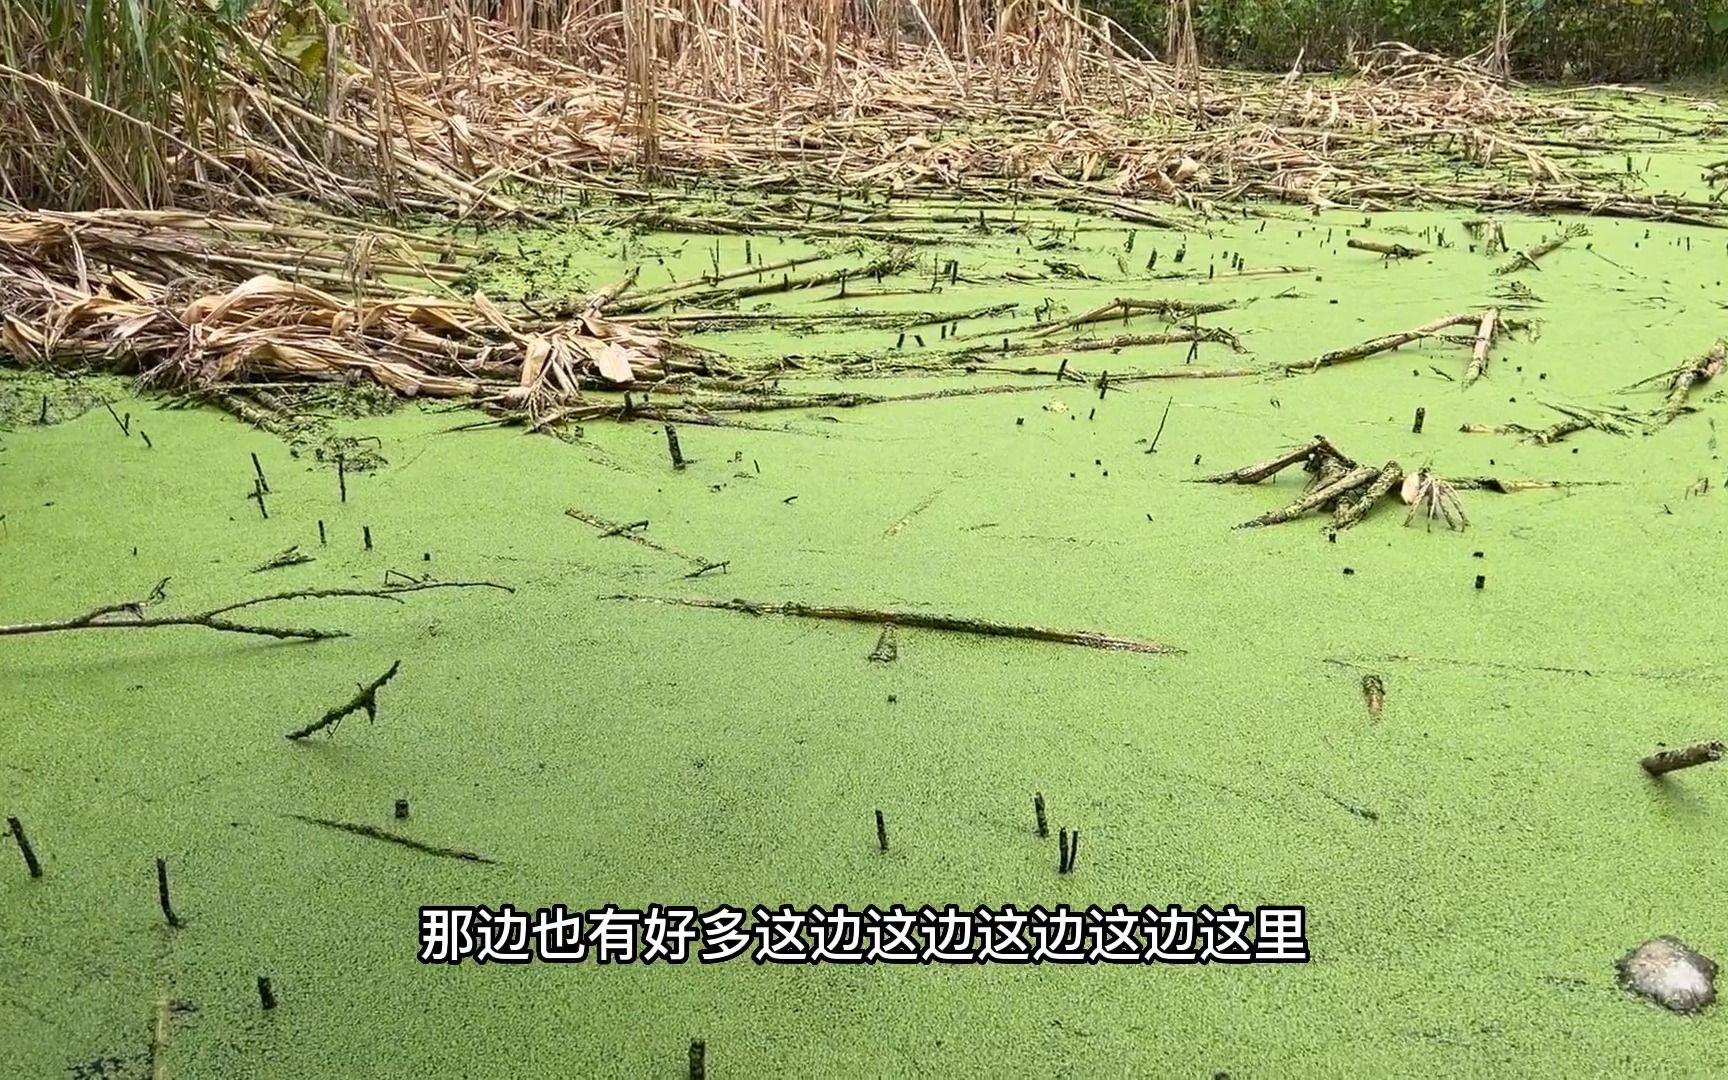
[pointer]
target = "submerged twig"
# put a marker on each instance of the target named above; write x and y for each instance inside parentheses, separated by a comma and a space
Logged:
(919, 620)
(131, 615)
(632, 531)
(375, 833)
(292, 556)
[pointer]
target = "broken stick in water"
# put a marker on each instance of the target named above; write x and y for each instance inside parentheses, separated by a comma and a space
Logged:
(1391, 251)
(1547, 247)
(162, 894)
(918, 620)
(1379, 344)
(366, 698)
(374, 833)
(1484, 341)
(1354, 506)
(1667, 761)
(291, 556)
(16, 828)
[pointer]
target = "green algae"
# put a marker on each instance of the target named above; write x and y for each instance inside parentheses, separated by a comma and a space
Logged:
(634, 754)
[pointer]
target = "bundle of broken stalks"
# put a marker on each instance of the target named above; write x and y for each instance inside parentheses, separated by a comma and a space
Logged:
(223, 307)
(1349, 490)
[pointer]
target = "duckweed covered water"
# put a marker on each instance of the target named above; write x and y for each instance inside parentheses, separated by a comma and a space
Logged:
(1472, 863)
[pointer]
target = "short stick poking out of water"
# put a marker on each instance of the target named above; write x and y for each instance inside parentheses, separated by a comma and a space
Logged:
(672, 445)
(162, 894)
(16, 828)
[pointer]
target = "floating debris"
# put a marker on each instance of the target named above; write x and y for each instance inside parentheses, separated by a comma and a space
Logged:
(1374, 695)
(291, 556)
(1423, 490)
(887, 649)
(1667, 761)
(1668, 973)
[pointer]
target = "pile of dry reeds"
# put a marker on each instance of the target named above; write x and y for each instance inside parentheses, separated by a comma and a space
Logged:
(489, 106)
(205, 304)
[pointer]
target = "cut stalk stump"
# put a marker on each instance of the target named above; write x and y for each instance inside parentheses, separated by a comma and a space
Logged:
(672, 445)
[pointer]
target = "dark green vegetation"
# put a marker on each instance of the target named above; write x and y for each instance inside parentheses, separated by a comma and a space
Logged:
(1474, 858)
(1571, 39)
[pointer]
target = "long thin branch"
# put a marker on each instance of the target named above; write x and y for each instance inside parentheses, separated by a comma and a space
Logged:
(106, 616)
(952, 623)
(1380, 344)
(375, 833)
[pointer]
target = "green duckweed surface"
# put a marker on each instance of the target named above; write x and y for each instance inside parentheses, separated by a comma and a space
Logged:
(1472, 862)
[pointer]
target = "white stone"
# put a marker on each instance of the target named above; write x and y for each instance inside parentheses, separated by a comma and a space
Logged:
(1670, 974)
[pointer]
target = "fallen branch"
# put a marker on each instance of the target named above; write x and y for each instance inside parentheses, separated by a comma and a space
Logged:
(376, 833)
(955, 624)
(366, 698)
(130, 615)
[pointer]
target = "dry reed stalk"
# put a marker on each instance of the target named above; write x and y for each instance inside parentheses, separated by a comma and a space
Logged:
(1484, 342)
